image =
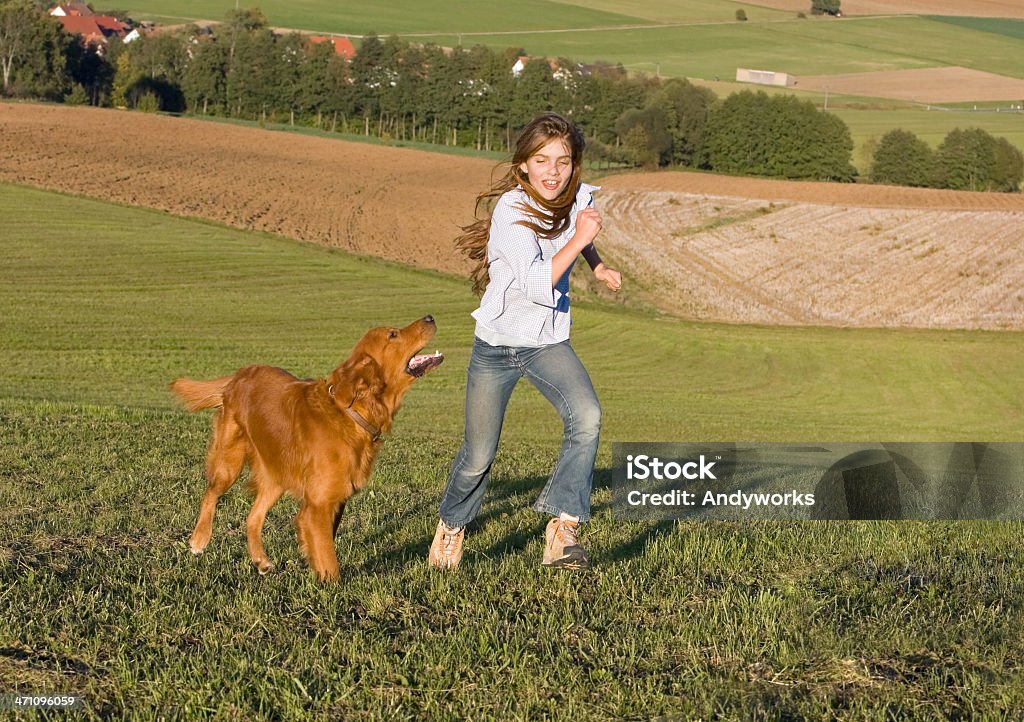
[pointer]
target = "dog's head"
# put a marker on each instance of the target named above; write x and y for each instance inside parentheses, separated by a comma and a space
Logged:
(384, 364)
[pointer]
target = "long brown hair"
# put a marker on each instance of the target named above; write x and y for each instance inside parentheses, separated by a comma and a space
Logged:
(551, 218)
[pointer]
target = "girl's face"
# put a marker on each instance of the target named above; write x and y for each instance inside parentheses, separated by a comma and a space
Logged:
(549, 169)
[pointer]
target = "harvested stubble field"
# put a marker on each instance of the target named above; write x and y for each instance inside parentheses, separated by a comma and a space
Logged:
(701, 246)
(966, 8)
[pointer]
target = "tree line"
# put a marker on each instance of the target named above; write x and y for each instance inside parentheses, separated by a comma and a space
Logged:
(397, 90)
(970, 159)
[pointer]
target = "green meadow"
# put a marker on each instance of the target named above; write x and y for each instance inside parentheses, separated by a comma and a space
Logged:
(101, 474)
(698, 39)
(798, 47)
(929, 125)
(401, 16)
(459, 16)
(1000, 26)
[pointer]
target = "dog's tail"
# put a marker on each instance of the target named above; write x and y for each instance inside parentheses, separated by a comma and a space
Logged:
(199, 395)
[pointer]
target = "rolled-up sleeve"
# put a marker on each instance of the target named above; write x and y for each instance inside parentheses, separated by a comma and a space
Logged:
(517, 247)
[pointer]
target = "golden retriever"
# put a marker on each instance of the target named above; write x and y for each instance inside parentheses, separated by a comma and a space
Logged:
(315, 439)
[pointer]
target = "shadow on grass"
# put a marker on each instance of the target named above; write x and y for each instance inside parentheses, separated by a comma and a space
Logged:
(506, 499)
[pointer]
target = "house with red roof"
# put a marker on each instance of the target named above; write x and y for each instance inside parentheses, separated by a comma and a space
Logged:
(76, 9)
(94, 29)
(342, 46)
(522, 60)
(79, 20)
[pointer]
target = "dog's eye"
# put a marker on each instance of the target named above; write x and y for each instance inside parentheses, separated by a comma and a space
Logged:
(392, 333)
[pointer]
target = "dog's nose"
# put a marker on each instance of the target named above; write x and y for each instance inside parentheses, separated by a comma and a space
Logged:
(428, 318)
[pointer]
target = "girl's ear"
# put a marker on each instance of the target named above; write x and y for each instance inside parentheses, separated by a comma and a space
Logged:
(522, 169)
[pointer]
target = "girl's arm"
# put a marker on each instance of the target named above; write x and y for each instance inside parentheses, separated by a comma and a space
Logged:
(611, 277)
(591, 256)
(517, 247)
(588, 225)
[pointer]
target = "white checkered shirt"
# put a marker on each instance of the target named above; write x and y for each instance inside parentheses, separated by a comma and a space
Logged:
(519, 306)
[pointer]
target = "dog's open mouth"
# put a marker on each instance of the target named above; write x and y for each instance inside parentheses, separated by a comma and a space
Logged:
(422, 363)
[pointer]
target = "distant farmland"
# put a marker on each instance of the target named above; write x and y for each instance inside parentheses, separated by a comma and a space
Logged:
(701, 39)
(701, 246)
(981, 8)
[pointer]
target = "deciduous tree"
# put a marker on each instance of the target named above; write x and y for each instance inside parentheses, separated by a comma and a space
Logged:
(779, 136)
(824, 7)
(966, 160)
(903, 159)
(17, 26)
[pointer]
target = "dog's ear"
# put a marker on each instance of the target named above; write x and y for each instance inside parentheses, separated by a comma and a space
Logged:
(357, 378)
(369, 378)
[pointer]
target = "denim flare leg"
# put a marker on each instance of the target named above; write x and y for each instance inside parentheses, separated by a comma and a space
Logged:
(559, 375)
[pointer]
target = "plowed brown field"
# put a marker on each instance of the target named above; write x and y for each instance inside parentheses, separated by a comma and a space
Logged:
(703, 246)
(396, 203)
(924, 85)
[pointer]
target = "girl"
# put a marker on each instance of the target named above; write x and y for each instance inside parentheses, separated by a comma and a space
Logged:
(543, 219)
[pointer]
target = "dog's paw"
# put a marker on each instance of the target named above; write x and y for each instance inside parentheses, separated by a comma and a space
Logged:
(196, 547)
(264, 567)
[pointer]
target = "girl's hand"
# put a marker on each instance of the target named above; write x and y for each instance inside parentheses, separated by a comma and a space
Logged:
(611, 277)
(588, 225)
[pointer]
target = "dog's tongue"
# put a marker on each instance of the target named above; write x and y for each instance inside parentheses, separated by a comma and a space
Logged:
(423, 363)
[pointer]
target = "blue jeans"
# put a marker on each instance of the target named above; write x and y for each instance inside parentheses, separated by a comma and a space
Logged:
(559, 375)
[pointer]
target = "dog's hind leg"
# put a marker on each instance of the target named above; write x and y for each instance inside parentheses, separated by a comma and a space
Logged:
(223, 465)
(267, 494)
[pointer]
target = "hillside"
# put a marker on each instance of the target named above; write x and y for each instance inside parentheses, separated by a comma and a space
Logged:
(702, 246)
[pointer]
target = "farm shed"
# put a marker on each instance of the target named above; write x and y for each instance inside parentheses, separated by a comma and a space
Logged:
(764, 77)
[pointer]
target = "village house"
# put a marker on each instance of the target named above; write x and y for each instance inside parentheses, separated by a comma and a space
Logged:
(78, 19)
(560, 73)
(342, 46)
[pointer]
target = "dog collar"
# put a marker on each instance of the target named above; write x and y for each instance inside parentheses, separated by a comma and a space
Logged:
(373, 431)
(370, 428)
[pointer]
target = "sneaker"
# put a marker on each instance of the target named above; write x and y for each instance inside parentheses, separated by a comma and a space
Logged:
(562, 549)
(446, 549)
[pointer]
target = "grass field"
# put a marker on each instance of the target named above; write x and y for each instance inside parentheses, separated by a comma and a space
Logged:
(710, 52)
(700, 40)
(929, 125)
(101, 476)
(999, 26)
(691, 11)
(800, 47)
(403, 16)
(406, 16)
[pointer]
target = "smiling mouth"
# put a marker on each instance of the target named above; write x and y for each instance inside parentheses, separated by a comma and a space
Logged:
(422, 363)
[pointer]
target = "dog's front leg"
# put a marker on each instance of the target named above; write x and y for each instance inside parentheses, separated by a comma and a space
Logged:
(315, 523)
(337, 519)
